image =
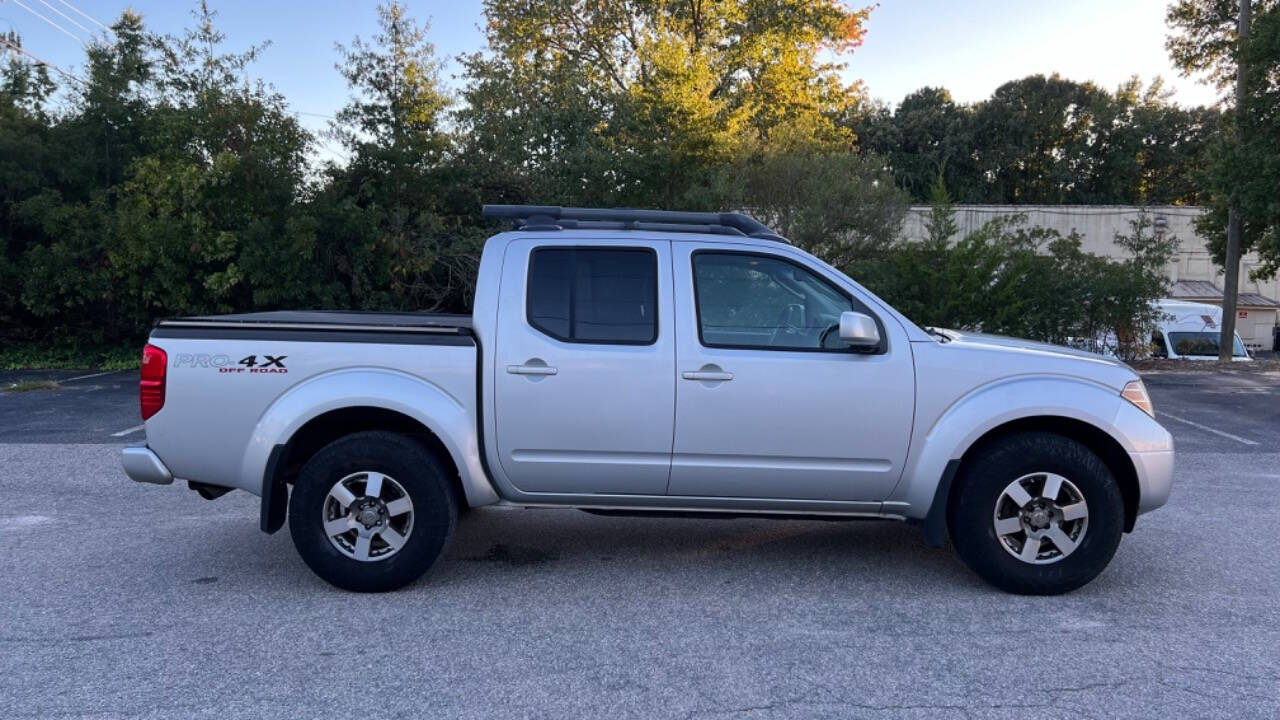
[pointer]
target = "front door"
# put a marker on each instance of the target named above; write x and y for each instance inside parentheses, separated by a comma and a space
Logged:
(769, 402)
(584, 382)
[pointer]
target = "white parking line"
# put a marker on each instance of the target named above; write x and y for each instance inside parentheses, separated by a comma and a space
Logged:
(130, 431)
(1206, 428)
(94, 375)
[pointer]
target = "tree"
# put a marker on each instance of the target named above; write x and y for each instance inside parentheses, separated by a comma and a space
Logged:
(160, 179)
(1247, 171)
(1043, 140)
(386, 226)
(1213, 37)
(638, 102)
(841, 207)
(925, 138)
(211, 220)
(25, 150)
(1012, 279)
(67, 280)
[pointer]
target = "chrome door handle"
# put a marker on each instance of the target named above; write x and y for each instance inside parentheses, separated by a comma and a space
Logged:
(707, 375)
(531, 370)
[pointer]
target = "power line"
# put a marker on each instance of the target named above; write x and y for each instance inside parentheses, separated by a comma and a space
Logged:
(86, 16)
(64, 16)
(18, 48)
(61, 29)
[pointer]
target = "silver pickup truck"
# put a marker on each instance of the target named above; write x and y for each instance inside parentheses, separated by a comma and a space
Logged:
(650, 362)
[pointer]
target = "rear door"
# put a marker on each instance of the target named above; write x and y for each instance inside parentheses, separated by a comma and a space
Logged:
(584, 384)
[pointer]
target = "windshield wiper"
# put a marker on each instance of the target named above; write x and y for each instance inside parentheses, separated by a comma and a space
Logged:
(937, 333)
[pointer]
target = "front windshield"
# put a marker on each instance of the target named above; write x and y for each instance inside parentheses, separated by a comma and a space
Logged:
(1201, 344)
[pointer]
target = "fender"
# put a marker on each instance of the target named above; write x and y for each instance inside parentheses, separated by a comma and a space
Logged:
(955, 430)
(412, 396)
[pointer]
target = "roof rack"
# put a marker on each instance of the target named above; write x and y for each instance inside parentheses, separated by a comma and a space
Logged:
(554, 217)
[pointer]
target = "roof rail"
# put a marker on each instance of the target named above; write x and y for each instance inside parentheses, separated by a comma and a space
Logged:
(554, 217)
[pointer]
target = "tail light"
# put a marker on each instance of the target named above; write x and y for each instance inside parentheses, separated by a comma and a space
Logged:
(151, 387)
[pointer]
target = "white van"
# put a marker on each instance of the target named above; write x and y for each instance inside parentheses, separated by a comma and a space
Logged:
(1190, 331)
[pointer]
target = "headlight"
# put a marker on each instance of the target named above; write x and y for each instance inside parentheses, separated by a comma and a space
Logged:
(1136, 393)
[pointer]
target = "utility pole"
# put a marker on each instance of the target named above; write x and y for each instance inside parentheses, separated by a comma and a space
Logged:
(1235, 223)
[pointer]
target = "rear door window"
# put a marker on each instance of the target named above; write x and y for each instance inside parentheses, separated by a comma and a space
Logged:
(605, 296)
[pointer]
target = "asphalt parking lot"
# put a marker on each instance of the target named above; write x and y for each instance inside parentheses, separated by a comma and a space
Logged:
(125, 600)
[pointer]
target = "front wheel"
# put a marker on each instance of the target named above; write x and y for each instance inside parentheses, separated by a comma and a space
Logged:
(371, 512)
(1036, 514)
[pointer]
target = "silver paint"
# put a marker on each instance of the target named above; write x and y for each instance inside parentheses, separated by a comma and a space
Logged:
(673, 425)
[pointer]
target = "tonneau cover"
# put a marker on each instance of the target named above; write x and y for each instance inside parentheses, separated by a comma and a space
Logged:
(329, 319)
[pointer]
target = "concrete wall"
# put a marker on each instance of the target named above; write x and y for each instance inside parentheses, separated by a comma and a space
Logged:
(1098, 226)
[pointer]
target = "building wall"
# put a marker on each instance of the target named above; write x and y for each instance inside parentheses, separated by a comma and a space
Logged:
(1098, 226)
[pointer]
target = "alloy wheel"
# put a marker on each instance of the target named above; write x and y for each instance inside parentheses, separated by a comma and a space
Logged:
(1041, 518)
(368, 516)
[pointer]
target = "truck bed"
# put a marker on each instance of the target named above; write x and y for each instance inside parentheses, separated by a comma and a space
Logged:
(234, 380)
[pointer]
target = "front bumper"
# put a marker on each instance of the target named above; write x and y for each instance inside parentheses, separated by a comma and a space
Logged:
(142, 465)
(1152, 455)
(1155, 478)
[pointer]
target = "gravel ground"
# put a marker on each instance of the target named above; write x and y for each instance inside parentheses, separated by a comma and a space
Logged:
(138, 601)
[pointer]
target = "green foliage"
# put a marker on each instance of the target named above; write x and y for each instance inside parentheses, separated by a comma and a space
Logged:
(1044, 140)
(1011, 279)
(641, 103)
(1243, 165)
(68, 354)
(169, 186)
(170, 183)
(1204, 36)
(837, 206)
(393, 234)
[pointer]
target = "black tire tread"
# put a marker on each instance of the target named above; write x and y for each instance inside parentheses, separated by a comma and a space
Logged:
(414, 467)
(995, 465)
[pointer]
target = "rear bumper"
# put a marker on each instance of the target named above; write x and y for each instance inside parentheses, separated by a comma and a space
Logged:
(142, 465)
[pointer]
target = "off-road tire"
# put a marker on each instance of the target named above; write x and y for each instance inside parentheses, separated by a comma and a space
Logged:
(982, 480)
(415, 469)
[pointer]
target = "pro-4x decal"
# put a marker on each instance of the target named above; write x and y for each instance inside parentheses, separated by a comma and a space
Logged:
(252, 364)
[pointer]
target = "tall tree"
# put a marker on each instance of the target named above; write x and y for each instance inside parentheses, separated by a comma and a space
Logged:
(634, 102)
(384, 218)
(26, 150)
(926, 137)
(67, 279)
(211, 219)
(1213, 37)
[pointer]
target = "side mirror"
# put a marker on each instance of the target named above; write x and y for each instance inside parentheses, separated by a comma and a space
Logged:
(859, 330)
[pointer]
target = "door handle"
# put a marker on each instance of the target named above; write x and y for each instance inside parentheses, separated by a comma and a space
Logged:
(531, 370)
(707, 375)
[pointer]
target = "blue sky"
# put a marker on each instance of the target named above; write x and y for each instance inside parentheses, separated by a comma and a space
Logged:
(968, 47)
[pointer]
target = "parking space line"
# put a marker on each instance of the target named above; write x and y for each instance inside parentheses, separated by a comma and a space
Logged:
(94, 375)
(130, 431)
(1206, 428)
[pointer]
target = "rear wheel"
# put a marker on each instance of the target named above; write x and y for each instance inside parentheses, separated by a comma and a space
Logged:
(1036, 514)
(371, 512)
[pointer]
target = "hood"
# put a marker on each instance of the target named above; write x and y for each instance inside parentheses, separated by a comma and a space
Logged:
(1017, 356)
(1012, 342)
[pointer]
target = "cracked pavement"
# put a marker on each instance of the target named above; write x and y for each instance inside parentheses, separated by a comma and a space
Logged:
(125, 601)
